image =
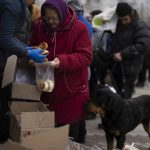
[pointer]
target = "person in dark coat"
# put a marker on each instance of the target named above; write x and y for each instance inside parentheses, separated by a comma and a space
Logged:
(70, 49)
(25, 31)
(12, 17)
(129, 43)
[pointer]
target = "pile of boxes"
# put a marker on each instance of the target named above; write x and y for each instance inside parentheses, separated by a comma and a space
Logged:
(32, 124)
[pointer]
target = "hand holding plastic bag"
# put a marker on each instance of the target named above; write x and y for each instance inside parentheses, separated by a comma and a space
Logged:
(55, 63)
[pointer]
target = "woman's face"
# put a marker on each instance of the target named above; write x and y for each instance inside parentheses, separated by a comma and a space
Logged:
(52, 17)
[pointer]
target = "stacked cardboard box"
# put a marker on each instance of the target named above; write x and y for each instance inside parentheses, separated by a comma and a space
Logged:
(32, 124)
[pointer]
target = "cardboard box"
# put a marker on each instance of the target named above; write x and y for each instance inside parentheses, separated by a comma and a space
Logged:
(29, 118)
(21, 76)
(10, 145)
(52, 139)
(32, 126)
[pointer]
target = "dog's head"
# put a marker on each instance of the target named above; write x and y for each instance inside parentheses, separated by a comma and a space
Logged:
(105, 99)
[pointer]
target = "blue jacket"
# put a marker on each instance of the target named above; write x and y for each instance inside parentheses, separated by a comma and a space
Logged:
(87, 24)
(12, 17)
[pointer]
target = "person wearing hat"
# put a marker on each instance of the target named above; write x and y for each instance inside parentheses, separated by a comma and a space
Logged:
(129, 43)
(70, 49)
(78, 7)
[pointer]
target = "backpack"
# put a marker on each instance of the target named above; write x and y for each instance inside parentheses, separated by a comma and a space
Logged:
(102, 54)
(105, 43)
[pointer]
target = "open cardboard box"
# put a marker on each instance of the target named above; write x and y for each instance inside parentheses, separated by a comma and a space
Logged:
(32, 125)
(29, 118)
(52, 139)
(21, 76)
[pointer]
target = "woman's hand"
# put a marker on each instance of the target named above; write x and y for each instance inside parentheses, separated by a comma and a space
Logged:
(117, 57)
(55, 63)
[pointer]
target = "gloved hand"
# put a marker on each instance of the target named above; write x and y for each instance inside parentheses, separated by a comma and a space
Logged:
(35, 55)
(30, 48)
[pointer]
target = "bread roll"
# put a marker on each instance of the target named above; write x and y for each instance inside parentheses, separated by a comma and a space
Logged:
(43, 45)
(50, 85)
(40, 84)
(45, 60)
(46, 86)
(45, 52)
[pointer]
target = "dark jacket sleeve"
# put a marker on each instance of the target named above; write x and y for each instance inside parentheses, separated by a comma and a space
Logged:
(141, 40)
(8, 25)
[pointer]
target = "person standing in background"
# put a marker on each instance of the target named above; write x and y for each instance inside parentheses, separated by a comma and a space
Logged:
(35, 12)
(129, 44)
(78, 7)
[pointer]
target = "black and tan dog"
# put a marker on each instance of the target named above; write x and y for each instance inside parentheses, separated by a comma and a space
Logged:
(119, 116)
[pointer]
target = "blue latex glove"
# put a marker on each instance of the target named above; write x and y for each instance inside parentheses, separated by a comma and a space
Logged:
(35, 55)
(30, 48)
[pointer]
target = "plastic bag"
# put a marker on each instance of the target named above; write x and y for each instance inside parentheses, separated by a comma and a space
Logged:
(45, 76)
(76, 146)
(130, 147)
(106, 20)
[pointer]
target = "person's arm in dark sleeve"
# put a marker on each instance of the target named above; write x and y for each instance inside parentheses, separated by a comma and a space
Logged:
(140, 45)
(8, 41)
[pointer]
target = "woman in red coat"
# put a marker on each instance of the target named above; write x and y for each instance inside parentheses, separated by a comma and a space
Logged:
(70, 49)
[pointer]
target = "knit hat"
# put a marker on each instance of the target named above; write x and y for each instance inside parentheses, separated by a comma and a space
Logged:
(123, 9)
(76, 5)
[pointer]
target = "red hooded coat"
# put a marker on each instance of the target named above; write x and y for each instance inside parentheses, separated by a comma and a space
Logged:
(72, 45)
